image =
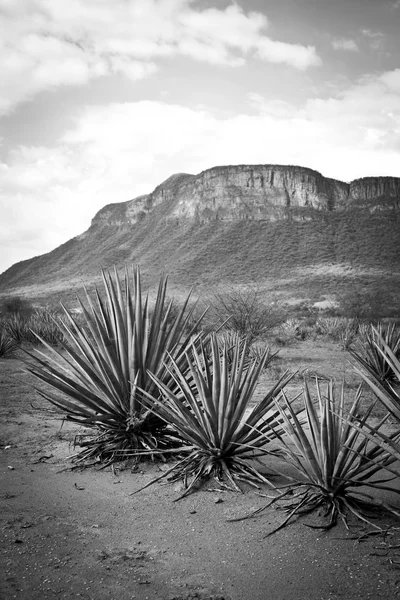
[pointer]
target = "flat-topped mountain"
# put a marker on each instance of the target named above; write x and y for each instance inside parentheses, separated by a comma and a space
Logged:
(259, 192)
(242, 223)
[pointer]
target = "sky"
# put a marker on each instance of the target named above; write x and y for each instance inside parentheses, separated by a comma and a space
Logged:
(102, 100)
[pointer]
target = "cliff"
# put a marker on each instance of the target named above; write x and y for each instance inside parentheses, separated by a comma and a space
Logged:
(257, 192)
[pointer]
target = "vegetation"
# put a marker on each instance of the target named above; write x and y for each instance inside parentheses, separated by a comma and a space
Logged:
(8, 345)
(368, 303)
(213, 417)
(149, 379)
(15, 305)
(370, 352)
(105, 361)
(41, 323)
(383, 377)
(331, 459)
(245, 312)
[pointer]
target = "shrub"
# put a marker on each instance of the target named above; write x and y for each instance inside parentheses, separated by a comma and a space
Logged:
(102, 365)
(339, 329)
(16, 305)
(245, 311)
(366, 304)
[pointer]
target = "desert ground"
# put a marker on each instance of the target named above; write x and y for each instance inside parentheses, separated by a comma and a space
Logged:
(82, 534)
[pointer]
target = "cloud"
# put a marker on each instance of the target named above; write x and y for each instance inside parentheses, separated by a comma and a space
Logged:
(51, 43)
(375, 39)
(114, 153)
(300, 57)
(371, 105)
(345, 44)
(392, 80)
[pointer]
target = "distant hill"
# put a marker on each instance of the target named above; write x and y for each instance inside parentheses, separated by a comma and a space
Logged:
(287, 228)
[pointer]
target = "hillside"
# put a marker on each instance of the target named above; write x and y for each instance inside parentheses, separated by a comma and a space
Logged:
(287, 228)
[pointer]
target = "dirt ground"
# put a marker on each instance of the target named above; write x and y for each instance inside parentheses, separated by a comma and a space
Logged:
(81, 534)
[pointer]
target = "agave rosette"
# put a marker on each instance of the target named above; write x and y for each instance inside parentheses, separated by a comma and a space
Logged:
(334, 458)
(386, 390)
(103, 362)
(213, 415)
(378, 353)
(8, 345)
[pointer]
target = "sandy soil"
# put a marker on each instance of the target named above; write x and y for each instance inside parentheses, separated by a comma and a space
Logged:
(81, 534)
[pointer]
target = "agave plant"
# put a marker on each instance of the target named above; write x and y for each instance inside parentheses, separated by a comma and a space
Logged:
(16, 327)
(386, 390)
(213, 416)
(103, 362)
(332, 460)
(257, 351)
(8, 345)
(371, 354)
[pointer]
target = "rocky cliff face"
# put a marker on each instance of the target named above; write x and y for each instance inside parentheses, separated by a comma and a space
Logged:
(256, 192)
(375, 188)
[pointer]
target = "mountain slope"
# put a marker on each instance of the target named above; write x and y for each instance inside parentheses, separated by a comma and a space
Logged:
(246, 223)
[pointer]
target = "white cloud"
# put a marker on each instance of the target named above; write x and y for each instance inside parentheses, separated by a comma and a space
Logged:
(372, 104)
(392, 80)
(50, 43)
(116, 152)
(231, 26)
(376, 39)
(300, 57)
(345, 44)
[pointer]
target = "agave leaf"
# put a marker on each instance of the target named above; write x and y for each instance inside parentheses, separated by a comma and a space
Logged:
(387, 395)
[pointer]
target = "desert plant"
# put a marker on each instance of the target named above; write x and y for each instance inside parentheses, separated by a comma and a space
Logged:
(370, 352)
(102, 363)
(366, 304)
(8, 345)
(257, 351)
(288, 332)
(213, 417)
(44, 323)
(331, 459)
(339, 329)
(387, 390)
(245, 311)
(40, 322)
(15, 325)
(15, 305)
